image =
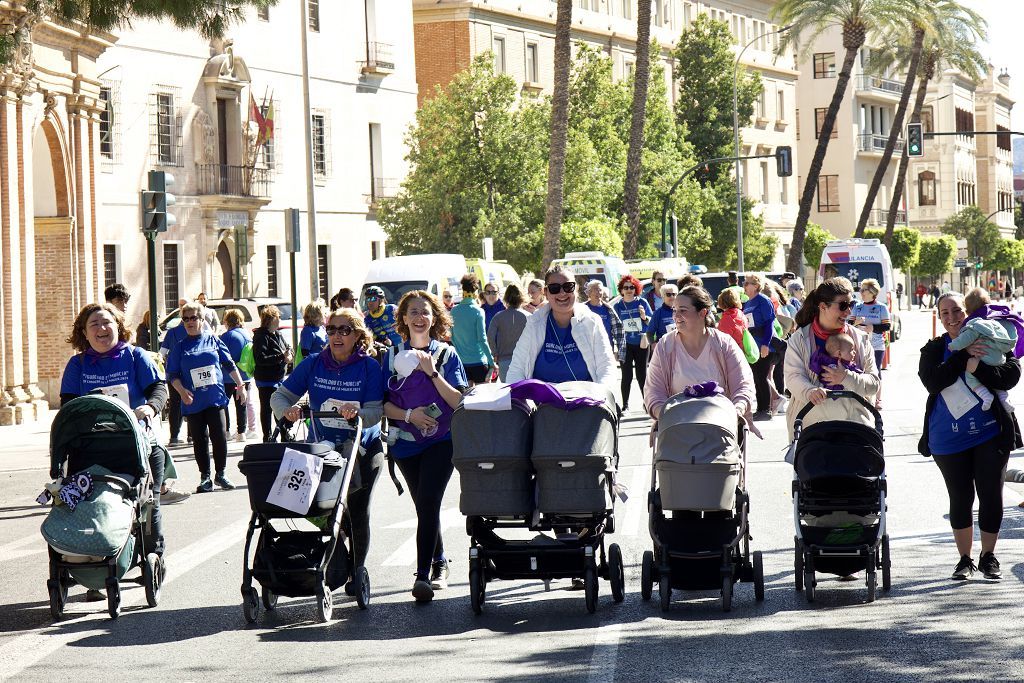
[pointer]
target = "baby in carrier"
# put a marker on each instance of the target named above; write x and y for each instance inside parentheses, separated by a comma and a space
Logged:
(840, 351)
(998, 327)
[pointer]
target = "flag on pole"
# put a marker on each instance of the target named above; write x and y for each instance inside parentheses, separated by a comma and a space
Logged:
(265, 122)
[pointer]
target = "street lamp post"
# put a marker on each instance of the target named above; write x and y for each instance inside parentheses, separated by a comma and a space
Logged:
(736, 141)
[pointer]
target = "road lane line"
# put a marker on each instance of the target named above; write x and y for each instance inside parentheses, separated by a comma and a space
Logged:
(636, 506)
(605, 655)
(24, 651)
(16, 549)
(405, 554)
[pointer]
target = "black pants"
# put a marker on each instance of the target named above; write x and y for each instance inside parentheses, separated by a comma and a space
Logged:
(266, 414)
(778, 359)
(980, 469)
(370, 465)
(175, 409)
(230, 390)
(760, 370)
(155, 539)
(427, 474)
(207, 427)
(635, 358)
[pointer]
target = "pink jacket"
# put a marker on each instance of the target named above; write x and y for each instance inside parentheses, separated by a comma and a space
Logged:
(669, 357)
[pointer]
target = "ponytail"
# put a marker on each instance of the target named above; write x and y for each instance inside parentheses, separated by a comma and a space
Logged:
(825, 293)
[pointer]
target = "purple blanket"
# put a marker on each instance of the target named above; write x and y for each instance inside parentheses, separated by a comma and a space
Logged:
(1003, 314)
(703, 390)
(821, 360)
(542, 392)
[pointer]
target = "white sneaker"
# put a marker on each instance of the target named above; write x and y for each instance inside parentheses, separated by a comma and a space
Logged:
(251, 435)
(240, 438)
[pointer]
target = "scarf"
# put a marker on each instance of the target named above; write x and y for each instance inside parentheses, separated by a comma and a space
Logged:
(337, 366)
(1003, 314)
(823, 334)
(95, 356)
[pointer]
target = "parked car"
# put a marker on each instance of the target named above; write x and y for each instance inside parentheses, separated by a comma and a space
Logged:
(250, 308)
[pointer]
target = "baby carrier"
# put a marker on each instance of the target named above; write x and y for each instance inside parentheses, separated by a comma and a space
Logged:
(98, 527)
(698, 503)
(316, 559)
(543, 467)
(839, 492)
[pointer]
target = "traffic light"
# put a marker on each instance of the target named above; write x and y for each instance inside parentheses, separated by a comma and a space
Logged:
(784, 161)
(915, 140)
(154, 203)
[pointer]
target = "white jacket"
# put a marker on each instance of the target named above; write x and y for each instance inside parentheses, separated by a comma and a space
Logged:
(587, 331)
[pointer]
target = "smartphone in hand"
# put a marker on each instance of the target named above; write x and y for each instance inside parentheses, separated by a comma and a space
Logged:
(433, 411)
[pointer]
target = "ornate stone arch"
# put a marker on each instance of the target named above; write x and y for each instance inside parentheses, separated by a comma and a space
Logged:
(60, 162)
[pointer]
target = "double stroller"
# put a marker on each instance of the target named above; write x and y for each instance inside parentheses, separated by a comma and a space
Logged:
(101, 519)
(312, 561)
(698, 504)
(546, 467)
(839, 494)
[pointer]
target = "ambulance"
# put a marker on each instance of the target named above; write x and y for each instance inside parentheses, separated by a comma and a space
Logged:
(594, 265)
(860, 259)
(396, 275)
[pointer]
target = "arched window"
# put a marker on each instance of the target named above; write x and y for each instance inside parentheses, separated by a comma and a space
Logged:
(926, 188)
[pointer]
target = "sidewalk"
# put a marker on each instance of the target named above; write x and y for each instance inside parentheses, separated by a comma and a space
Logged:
(26, 446)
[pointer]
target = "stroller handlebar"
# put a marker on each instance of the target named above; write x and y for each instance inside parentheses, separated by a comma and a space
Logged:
(836, 395)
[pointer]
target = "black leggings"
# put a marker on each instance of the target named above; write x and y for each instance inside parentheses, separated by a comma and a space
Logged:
(370, 464)
(208, 426)
(230, 390)
(635, 358)
(978, 468)
(155, 540)
(175, 410)
(427, 474)
(266, 414)
(760, 370)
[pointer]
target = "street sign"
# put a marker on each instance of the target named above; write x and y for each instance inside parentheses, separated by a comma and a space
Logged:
(960, 263)
(961, 248)
(292, 232)
(232, 219)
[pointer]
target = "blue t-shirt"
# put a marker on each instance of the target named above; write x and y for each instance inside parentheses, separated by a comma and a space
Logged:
(761, 310)
(947, 435)
(173, 337)
(491, 310)
(358, 380)
(560, 359)
(629, 314)
(313, 340)
(606, 317)
(454, 373)
(197, 362)
(236, 339)
(659, 322)
(383, 324)
(123, 375)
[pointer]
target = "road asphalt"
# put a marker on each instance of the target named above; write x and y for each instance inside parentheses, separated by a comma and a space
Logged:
(926, 627)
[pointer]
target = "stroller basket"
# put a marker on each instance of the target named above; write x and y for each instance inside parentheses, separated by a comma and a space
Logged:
(260, 465)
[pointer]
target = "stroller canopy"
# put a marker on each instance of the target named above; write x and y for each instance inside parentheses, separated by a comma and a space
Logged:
(98, 430)
(839, 449)
(697, 430)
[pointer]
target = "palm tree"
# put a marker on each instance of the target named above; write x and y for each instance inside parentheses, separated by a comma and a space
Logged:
(559, 134)
(953, 45)
(634, 156)
(811, 18)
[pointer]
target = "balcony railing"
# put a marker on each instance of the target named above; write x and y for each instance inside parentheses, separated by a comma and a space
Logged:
(869, 142)
(382, 188)
(239, 181)
(379, 59)
(885, 86)
(881, 216)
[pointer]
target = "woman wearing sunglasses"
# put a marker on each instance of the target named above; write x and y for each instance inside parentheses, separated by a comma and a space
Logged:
(563, 341)
(634, 312)
(196, 368)
(344, 378)
(824, 313)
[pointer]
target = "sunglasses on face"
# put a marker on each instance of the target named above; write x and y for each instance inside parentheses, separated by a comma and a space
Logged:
(490, 292)
(559, 287)
(843, 305)
(628, 287)
(189, 318)
(373, 298)
(447, 296)
(669, 295)
(343, 330)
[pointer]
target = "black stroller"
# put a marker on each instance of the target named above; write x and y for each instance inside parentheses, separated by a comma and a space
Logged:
(98, 527)
(699, 478)
(540, 469)
(300, 563)
(839, 503)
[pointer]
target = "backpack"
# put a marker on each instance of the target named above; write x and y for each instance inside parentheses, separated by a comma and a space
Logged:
(418, 390)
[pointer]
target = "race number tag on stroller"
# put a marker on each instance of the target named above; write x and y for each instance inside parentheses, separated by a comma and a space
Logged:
(204, 377)
(118, 391)
(959, 399)
(297, 479)
(335, 405)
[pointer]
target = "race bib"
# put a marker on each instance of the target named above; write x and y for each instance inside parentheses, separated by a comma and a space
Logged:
(632, 325)
(335, 405)
(750, 319)
(297, 480)
(204, 377)
(118, 391)
(670, 328)
(959, 399)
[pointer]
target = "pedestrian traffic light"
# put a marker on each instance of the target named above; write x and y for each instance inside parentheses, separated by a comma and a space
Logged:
(154, 203)
(915, 140)
(784, 161)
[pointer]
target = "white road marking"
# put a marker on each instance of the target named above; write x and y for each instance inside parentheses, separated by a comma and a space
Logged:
(405, 554)
(606, 652)
(24, 651)
(16, 549)
(636, 506)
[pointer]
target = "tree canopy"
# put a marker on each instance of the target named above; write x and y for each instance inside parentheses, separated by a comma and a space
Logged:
(983, 237)
(936, 256)
(814, 244)
(904, 249)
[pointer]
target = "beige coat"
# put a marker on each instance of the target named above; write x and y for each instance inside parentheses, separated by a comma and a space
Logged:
(801, 381)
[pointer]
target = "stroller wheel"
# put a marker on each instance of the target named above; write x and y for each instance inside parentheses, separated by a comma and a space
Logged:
(809, 584)
(758, 576)
(362, 579)
(476, 587)
(113, 598)
(269, 598)
(798, 566)
(616, 573)
(151, 579)
(590, 588)
(324, 602)
(56, 599)
(665, 590)
(647, 575)
(727, 593)
(886, 564)
(250, 604)
(872, 581)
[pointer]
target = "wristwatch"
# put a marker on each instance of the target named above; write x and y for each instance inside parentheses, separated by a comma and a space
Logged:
(433, 375)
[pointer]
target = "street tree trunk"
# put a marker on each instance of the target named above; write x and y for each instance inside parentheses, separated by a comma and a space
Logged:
(634, 157)
(894, 133)
(559, 134)
(901, 173)
(795, 262)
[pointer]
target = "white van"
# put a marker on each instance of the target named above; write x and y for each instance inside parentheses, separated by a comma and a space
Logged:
(396, 275)
(594, 265)
(860, 259)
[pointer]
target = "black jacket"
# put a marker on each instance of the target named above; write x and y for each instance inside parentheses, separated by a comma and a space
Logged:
(270, 355)
(937, 374)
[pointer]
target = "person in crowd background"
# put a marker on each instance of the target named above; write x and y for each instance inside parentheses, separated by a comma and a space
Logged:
(634, 312)
(380, 317)
(345, 298)
(209, 315)
(236, 338)
(505, 330)
(271, 356)
(469, 333)
(661, 320)
(313, 339)
(612, 324)
(534, 290)
(654, 296)
(761, 322)
(491, 303)
(117, 295)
